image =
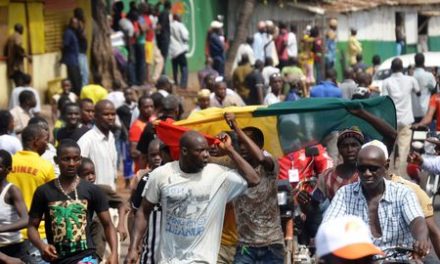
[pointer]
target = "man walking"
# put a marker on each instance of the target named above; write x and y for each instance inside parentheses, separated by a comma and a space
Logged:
(261, 238)
(29, 171)
(68, 204)
(70, 55)
(400, 87)
(426, 81)
(15, 54)
(163, 32)
(193, 194)
(178, 50)
(98, 144)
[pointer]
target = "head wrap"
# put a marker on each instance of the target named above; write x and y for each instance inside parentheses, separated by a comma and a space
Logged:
(353, 132)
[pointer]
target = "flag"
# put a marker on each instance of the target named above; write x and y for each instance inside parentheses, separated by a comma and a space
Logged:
(289, 126)
(170, 135)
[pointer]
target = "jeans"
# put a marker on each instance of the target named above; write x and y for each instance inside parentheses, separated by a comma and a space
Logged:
(33, 255)
(180, 62)
(272, 254)
(84, 69)
(400, 47)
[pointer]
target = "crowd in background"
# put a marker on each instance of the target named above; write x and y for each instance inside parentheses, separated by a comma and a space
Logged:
(65, 165)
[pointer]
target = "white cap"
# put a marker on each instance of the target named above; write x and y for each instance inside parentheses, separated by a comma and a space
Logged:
(379, 145)
(216, 24)
(347, 237)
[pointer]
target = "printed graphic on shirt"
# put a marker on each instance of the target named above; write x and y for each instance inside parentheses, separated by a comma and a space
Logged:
(69, 221)
(186, 211)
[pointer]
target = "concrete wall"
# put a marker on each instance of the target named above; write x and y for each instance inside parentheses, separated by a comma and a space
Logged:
(4, 93)
(44, 68)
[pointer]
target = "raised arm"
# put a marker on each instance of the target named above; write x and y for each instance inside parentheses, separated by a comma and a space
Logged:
(255, 152)
(110, 235)
(245, 169)
(387, 131)
(140, 227)
(20, 206)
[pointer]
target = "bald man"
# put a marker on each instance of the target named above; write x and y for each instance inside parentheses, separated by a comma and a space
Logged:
(98, 144)
(391, 209)
(193, 194)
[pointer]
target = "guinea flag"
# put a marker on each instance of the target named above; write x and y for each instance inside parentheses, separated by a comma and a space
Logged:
(290, 126)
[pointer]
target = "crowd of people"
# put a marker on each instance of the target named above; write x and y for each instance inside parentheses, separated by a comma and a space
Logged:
(217, 202)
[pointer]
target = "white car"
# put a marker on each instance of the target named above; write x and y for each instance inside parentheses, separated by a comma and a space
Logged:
(432, 60)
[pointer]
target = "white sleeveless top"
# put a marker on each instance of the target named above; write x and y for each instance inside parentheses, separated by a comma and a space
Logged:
(8, 215)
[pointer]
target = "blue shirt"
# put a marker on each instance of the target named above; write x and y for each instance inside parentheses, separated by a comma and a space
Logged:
(326, 89)
(70, 48)
(397, 208)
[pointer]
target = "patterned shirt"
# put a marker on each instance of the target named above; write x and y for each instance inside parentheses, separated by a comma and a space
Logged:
(257, 211)
(397, 208)
(332, 182)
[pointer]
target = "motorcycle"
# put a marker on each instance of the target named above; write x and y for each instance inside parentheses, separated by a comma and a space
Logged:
(292, 217)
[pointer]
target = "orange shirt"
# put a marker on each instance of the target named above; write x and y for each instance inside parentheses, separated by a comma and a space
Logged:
(134, 135)
(229, 234)
(434, 102)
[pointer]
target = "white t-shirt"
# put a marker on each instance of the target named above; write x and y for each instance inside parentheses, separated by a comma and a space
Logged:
(10, 143)
(271, 98)
(267, 72)
(193, 209)
(117, 98)
(292, 45)
(399, 87)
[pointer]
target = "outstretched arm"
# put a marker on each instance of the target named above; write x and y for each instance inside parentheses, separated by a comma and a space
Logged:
(387, 131)
(427, 119)
(255, 152)
(110, 235)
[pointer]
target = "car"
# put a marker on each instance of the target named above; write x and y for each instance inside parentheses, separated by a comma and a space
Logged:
(432, 62)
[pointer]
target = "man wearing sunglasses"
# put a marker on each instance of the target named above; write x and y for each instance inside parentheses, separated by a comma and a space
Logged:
(391, 209)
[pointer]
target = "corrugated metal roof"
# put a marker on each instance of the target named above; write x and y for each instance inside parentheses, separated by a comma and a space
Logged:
(343, 6)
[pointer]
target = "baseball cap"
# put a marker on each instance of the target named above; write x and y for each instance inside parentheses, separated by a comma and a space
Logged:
(347, 237)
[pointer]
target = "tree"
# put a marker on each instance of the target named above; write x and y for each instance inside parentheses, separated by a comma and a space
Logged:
(246, 10)
(103, 61)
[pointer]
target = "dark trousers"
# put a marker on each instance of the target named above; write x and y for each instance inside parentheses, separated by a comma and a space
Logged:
(131, 65)
(219, 65)
(74, 75)
(139, 50)
(180, 62)
(272, 254)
